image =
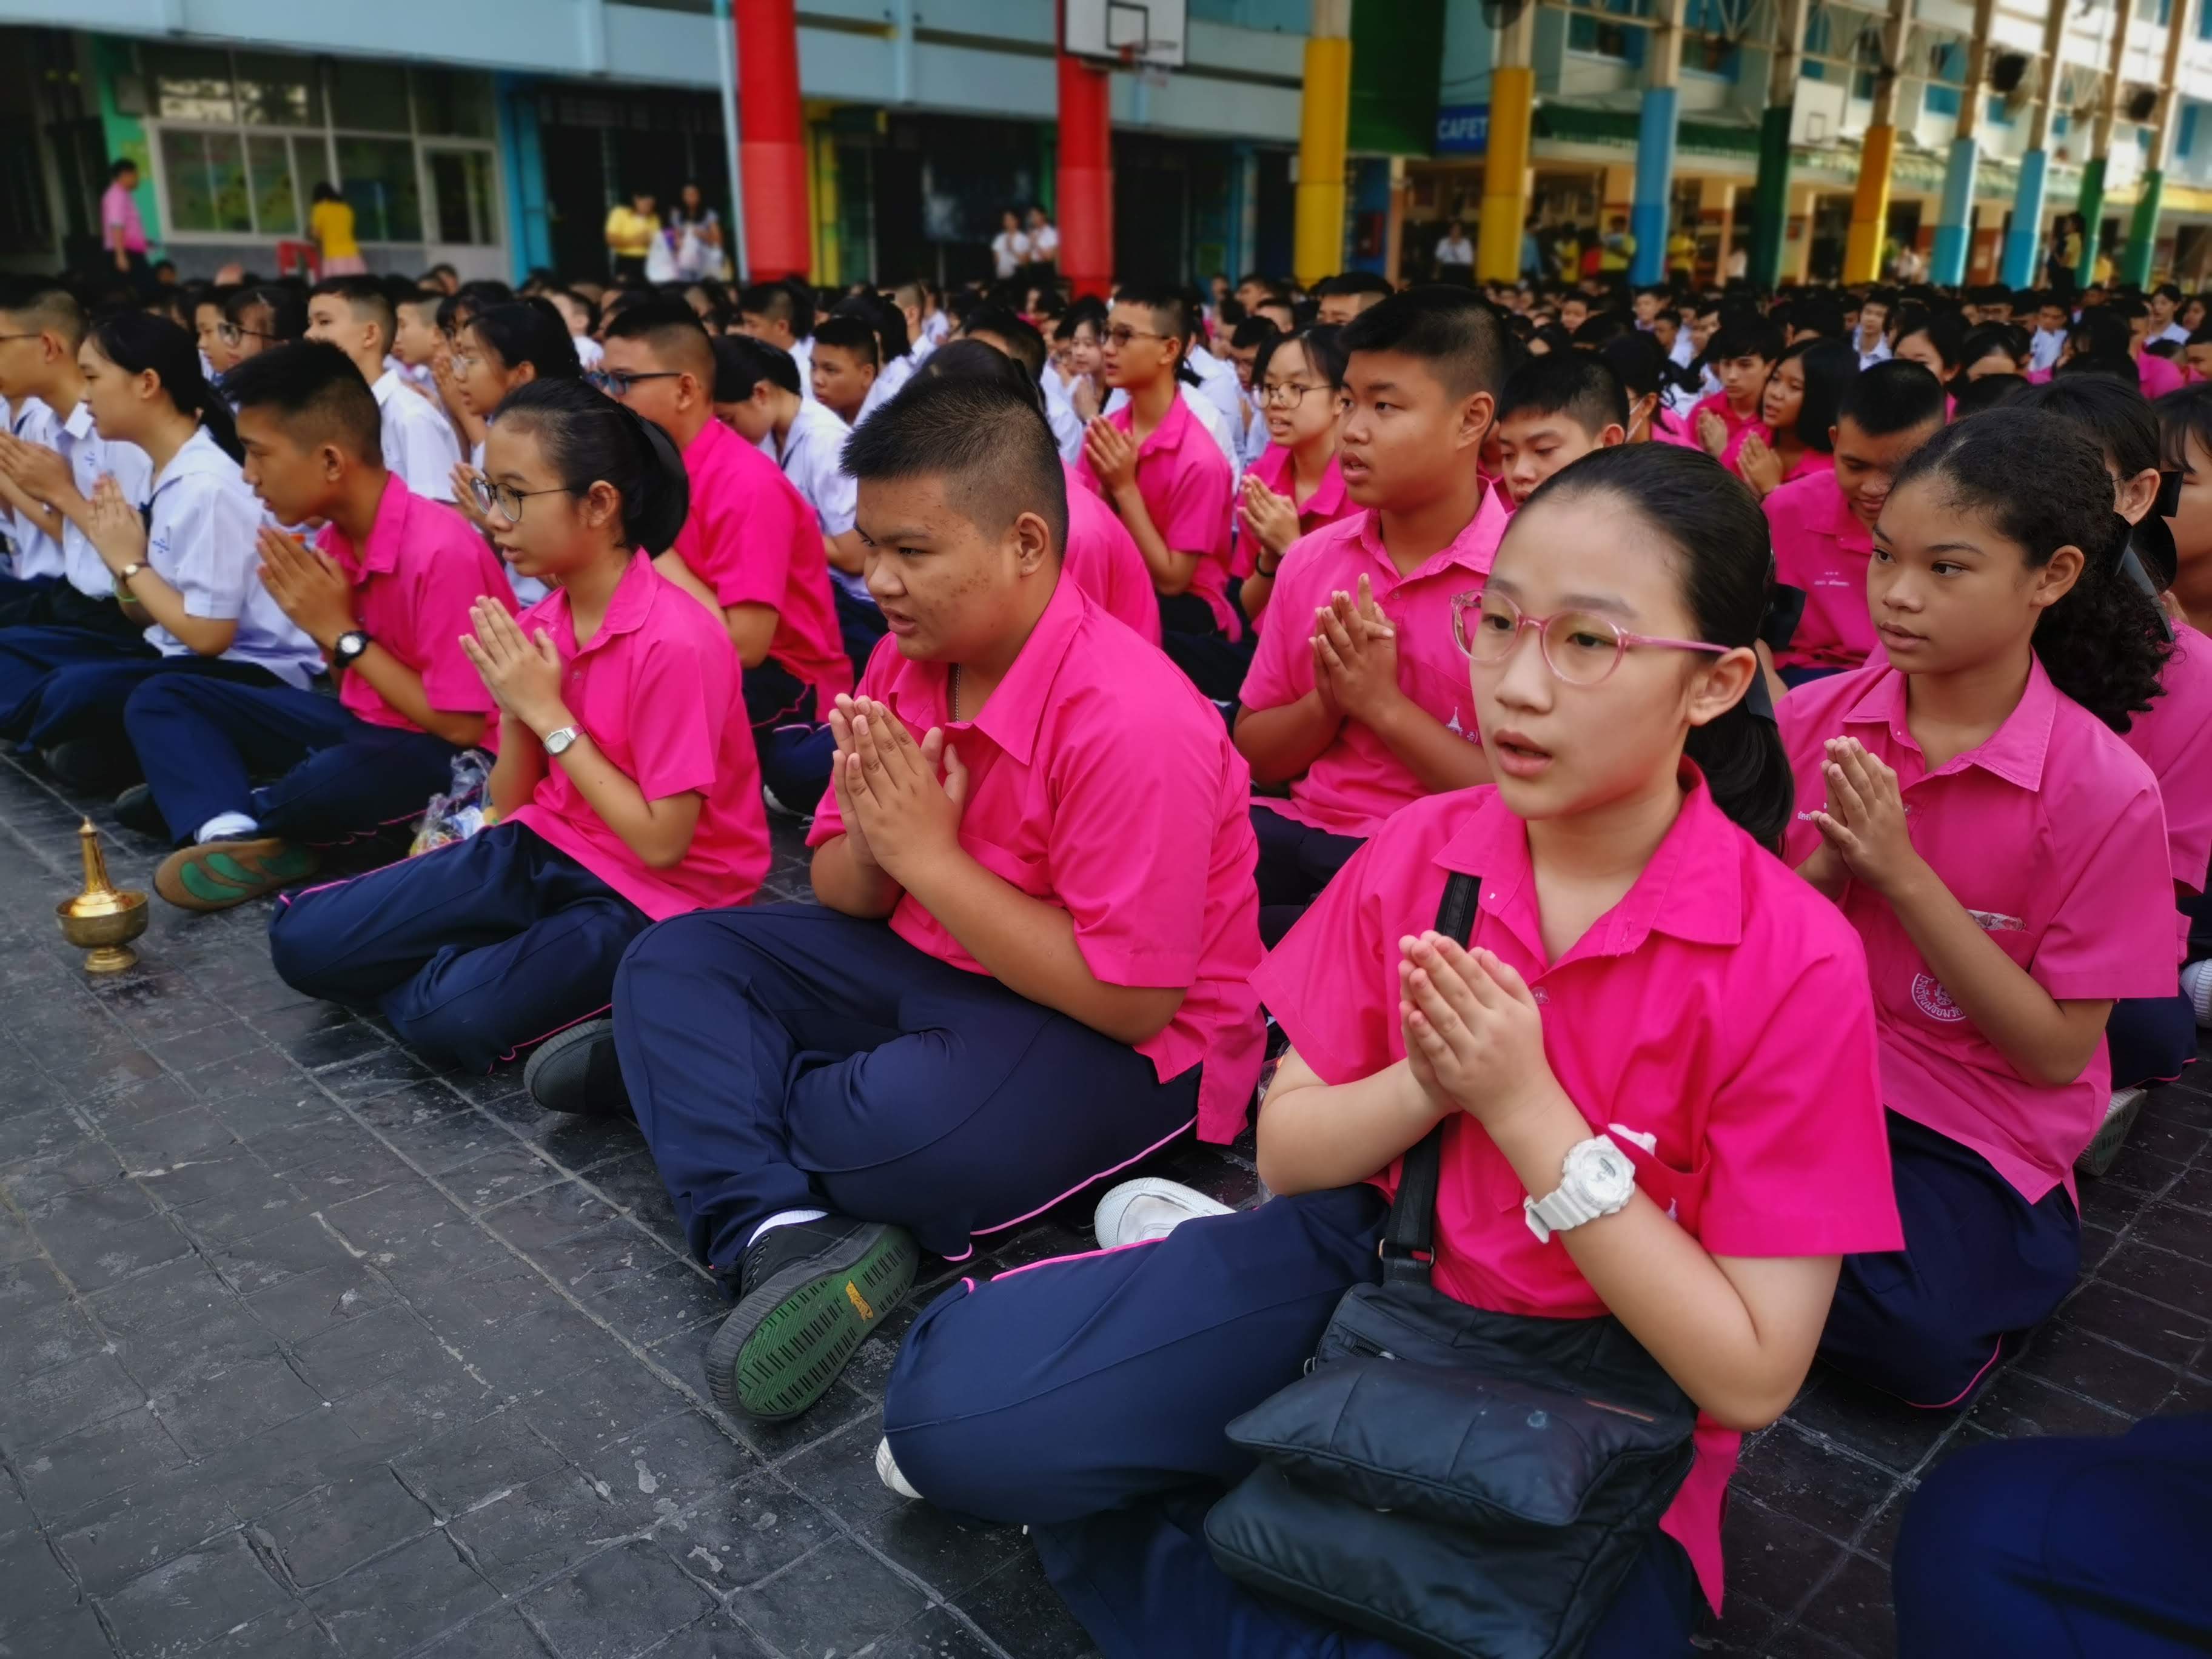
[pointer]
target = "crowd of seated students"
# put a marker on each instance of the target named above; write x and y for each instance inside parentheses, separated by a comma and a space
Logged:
(1816, 682)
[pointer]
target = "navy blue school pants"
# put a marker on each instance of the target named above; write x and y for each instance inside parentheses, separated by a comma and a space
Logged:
(2086, 1548)
(24, 599)
(200, 741)
(85, 702)
(787, 1057)
(1980, 1265)
(793, 747)
(2151, 1039)
(32, 659)
(861, 625)
(1296, 862)
(472, 951)
(1194, 641)
(1086, 1398)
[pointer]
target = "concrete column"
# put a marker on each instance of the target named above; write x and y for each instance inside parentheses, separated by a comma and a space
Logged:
(1770, 209)
(1870, 203)
(1954, 222)
(772, 141)
(2021, 266)
(2091, 204)
(1086, 186)
(1655, 145)
(1325, 112)
(2143, 231)
(1505, 169)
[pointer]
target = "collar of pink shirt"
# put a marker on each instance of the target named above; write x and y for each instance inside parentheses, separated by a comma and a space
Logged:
(1325, 506)
(626, 611)
(1173, 431)
(1014, 710)
(2015, 751)
(1475, 549)
(379, 555)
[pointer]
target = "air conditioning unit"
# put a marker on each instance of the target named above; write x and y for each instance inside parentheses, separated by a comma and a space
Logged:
(1816, 115)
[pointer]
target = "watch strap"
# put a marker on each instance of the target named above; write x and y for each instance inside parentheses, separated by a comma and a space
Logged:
(1409, 1235)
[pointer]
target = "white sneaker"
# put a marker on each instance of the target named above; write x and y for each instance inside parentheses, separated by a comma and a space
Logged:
(2104, 1145)
(1138, 1211)
(887, 1471)
(2197, 986)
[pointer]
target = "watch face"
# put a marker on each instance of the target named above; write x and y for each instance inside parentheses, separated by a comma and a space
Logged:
(1603, 1172)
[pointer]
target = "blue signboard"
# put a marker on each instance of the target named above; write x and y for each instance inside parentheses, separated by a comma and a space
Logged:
(1463, 129)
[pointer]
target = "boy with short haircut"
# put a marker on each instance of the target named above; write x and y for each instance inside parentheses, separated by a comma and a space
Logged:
(1823, 524)
(1555, 409)
(1054, 824)
(1344, 295)
(1369, 708)
(355, 314)
(844, 365)
(750, 549)
(415, 341)
(1743, 353)
(256, 319)
(782, 314)
(2052, 320)
(385, 592)
(1159, 468)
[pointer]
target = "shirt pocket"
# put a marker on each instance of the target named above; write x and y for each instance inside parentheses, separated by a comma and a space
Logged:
(1679, 1194)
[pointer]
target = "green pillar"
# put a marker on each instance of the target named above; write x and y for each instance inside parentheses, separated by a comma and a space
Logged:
(2143, 229)
(2091, 206)
(1769, 203)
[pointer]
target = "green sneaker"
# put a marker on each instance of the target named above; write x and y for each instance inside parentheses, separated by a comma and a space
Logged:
(813, 1292)
(218, 874)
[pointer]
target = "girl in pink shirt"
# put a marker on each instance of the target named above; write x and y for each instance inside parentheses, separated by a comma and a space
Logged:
(1296, 486)
(626, 787)
(2001, 851)
(1645, 982)
(1743, 354)
(1799, 411)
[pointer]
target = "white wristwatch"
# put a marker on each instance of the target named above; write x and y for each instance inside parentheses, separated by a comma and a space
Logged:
(1597, 1180)
(560, 740)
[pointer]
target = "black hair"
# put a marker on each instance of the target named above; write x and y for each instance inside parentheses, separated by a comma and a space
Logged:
(1171, 311)
(742, 362)
(1601, 328)
(1745, 337)
(1891, 397)
(1575, 384)
(1453, 330)
(1990, 391)
(1817, 312)
(2007, 340)
(363, 294)
(1021, 337)
(851, 334)
(1352, 282)
(772, 301)
(885, 319)
(1087, 309)
(1323, 344)
(288, 310)
(988, 440)
(2039, 480)
(135, 342)
(1641, 365)
(47, 304)
(591, 306)
(1830, 368)
(1553, 337)
(529, 331)
(120, 166)
(588, 437)
(1253, 333)
(2100, 333)
(1727, 572)
(669, 327)
(1946, 332)
(974, 360)
(2119, 418)
(319, 392)
(323, 191)
(2183, 415)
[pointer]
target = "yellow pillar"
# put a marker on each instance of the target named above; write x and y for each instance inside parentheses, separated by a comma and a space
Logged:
(1505, 166)
(822, 179)
(1870, 204)
(1317, 243)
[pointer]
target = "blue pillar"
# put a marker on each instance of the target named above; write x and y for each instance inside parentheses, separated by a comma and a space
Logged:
(1243, 208)
(1655, 174)
(529, 230)
(2027, 231)
(1954, 225)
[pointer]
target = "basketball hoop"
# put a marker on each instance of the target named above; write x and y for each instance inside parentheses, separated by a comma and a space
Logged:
(1143, 37)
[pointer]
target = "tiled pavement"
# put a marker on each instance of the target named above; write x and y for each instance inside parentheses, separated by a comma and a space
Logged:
(308, 1349)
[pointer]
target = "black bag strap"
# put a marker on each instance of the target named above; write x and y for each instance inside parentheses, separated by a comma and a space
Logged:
(1410, 1233)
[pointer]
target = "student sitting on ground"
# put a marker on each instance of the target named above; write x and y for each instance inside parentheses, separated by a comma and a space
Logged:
(1823, 525)
(1364, 707)
(626, 787)
(382, 598)
(844, 365)
(1655, 1027)
(2029, 893)
(1742, 354)
(1554, 411)
(1296, 484)
(782, 314)
(1798, 409)
(1053, 822)
(895, 363)
(183, 600)
(52, 458)
(355, 314)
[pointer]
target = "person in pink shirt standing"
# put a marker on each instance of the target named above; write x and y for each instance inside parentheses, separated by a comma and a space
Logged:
(626, 789)
(1743, 354)
(1364, 707)
(121, 231)
(1052, 822)
(1169, 482)
(1969, 807)
(1655, 1030)
(1296, 485)
(1823, 525)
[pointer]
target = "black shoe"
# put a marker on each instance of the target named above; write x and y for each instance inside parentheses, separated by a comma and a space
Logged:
(813, 1291)
(86, 766)
(577, 1071)
(136, 809)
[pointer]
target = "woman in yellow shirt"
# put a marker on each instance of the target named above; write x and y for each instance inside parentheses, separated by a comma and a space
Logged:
(631, 231)
(329, 222)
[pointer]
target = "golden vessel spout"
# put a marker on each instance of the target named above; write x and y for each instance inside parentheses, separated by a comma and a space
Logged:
(101, 920)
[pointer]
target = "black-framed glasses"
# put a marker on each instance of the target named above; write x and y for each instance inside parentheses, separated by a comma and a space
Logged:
(1288, 394)
(505, 499)
(616, 382)
(1120, 334)
(231, 333)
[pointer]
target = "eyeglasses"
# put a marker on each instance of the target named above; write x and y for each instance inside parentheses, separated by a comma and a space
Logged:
(1287, 394)
(505, 499)
(1578, 649)
(463, 361)
(231, 333)
(1121, 334)
(616, 382)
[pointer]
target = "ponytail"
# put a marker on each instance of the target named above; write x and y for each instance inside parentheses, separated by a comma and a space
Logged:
(138, 341)
(590, 439)
(1727, 574)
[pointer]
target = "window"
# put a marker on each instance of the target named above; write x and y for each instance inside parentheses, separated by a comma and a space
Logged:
(2185, 139)
(1997, 113)
(1592, 31)
(278, 92)
(1941, 101)
(191, 85)
(370, 96)
(461, 196)
(452, 106)
(376, 176)
(275, 192)
(2204, 20)
(206, 174)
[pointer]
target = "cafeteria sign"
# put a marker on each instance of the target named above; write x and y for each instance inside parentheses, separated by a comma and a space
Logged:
(1463, 129)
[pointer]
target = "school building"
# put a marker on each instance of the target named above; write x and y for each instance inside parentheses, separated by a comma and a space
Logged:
(1782, 138)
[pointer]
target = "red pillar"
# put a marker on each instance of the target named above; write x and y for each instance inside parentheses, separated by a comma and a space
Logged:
(772, 141)
(1087, 176)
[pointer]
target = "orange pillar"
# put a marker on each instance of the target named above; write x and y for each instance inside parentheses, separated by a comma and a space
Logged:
(1085, 189)
(772, 141)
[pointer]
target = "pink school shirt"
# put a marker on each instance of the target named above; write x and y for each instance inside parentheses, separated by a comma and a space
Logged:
(1720, 1007)
(2159, 375)
(2175, 741)
(118, 206)
(753, 539)
(414, 579)
(2051, 835)
(1102, 557)
(1820, 546)
(656, 688)
(1328, 504)
(1093, 770)
(1185, 483)
(1740, 426)
(1356, 781)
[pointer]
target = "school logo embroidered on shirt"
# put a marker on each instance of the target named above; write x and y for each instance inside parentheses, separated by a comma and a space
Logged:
(1933, 1000)
(1465, 734)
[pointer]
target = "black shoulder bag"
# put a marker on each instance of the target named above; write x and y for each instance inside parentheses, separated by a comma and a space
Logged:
(1461, 1482)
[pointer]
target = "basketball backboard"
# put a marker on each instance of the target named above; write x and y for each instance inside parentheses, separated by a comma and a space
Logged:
(1141, 34)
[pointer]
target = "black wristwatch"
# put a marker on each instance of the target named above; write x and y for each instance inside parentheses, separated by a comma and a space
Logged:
(349, 647)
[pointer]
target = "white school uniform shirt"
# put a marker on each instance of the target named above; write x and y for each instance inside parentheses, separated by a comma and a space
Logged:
(1044, 244)
(1880, 354)
(1010, 250)
(2172, 332)
(1216, 378)
(1255, 431)
(37, 554)
(802, 353)
(2043, 349)
(201, 526)
(811, 457)
(890, 378)
(935, 327)
(1059, 413)
(588, 351)
(90, 457)
(420, 444)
